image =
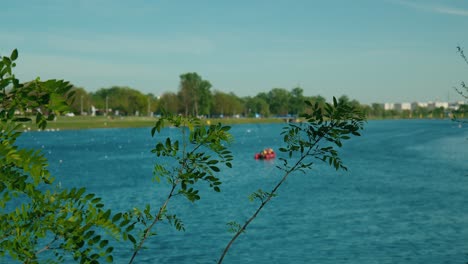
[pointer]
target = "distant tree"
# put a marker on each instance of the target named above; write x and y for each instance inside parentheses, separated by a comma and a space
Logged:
(205, 98)
(153, 102)
(263, 96)
(278, 99)
(320, 100)
(405, 114)
(257, 105)
(377, 110)
(195, 94)
(420, 112)
(126, 100)
(462, 112)
(169, 102)
(344, 99)
(391, 113)
(365, 109)
(438, 112)
(187, 92)
(81, 101)
(226, 104)
(296, 101)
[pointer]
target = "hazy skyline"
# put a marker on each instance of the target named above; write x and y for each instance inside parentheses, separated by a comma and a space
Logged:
(369, 50)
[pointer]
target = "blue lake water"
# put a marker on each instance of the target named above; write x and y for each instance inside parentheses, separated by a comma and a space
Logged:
(403, 200)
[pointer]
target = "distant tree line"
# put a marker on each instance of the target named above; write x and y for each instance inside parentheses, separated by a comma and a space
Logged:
(195, 97)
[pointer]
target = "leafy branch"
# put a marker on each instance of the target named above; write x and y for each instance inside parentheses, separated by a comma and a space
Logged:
(197, 158)
(36, 217)
(331, 126)
(463, 91)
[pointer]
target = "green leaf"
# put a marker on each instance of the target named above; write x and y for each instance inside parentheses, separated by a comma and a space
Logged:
(103, 243)
(89, 234)
(116, 217)
(14, 55)
(89, 196)
(96, 239)
(130, 228)
(106, 214)
(109, 250)
(131, 238)
(124, 223)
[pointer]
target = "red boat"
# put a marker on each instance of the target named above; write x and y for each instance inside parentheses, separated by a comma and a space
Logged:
(266, 154)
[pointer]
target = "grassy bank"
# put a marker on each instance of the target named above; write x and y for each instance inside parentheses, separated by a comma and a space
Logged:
(89, 122)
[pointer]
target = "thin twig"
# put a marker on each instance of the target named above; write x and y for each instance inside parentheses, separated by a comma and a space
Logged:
(157, 218)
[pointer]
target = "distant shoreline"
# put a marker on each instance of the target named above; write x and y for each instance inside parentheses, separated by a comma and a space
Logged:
(80, 122)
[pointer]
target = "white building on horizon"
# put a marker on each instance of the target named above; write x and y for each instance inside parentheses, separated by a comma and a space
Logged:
(428, 105)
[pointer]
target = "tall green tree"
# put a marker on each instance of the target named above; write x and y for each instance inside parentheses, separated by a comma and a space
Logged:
(377, 110)
(195, 94)
(278, 99)
(296, 101)
(226, 104)
(169, 102)
(257, 105)
(153, 103)
(82, 101)
(187, 91)
(126, 100)
(205, 98)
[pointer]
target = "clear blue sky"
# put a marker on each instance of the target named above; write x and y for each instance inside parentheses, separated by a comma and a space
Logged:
(370, 50)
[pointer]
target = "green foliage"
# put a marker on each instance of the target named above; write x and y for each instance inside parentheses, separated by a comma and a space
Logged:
(226, 104)
(234, 227)
(36, 98)
(322, 131)
(195, 94)
(126, 100)
(36, 216)
(256, 105)
(260, 195)
(170, 102)
(296, 101)
(193, 155)
(197, 157)
(462, 112)
(317, 139)
(279, 98)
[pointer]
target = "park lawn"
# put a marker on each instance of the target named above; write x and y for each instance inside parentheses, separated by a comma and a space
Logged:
(92, 122)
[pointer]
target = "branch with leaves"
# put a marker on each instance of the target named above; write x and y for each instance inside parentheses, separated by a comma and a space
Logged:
(35, 216)
(183, 163)
(306, 143)
(462, 91)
